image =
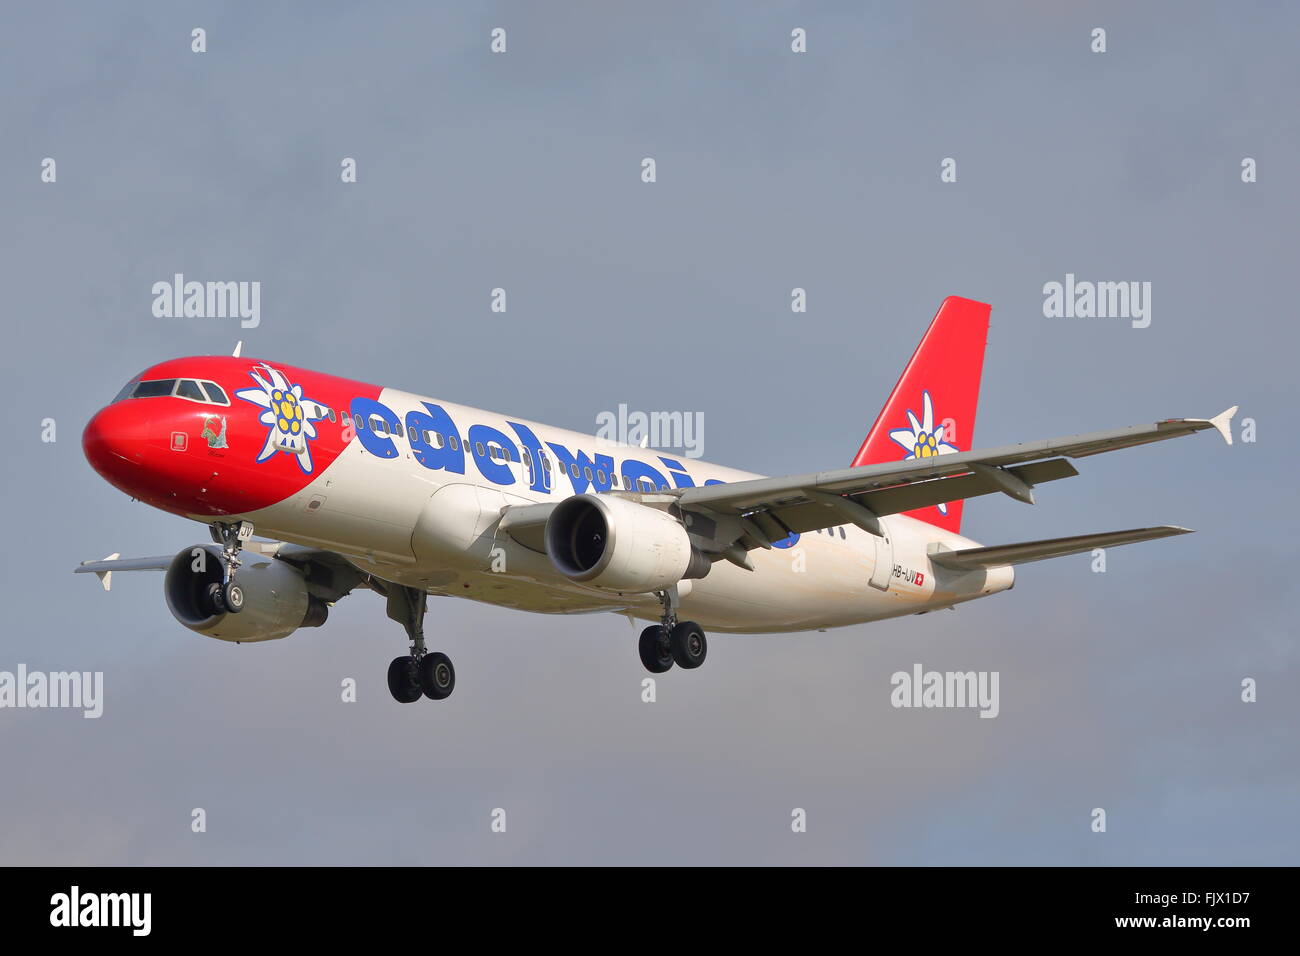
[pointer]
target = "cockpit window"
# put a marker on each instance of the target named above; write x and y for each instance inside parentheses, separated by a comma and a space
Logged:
(127, 389)
(186, 388)
(215, 395)
(154, 389)
(207, 393)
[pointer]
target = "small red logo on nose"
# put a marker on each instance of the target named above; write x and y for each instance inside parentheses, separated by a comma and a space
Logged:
(179, 440)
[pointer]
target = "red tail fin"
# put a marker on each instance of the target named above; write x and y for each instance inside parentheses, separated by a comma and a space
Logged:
(931, 410)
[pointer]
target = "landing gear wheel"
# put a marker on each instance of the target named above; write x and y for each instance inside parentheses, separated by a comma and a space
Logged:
(233, 597)
(403, 682)
(656, 654)
(215, 599)
(437, 676)
(688, 644)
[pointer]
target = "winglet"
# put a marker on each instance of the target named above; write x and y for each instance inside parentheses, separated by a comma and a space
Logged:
(239, 347)
(1223, 423)
(106, 577)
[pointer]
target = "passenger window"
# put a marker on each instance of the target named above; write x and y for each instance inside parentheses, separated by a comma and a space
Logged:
(546, 463)
(600, 477)
(397, 429)
(586, 473)
(842, 534)
(478, 449)
(359, 424)
(331, 414)
(454, 441)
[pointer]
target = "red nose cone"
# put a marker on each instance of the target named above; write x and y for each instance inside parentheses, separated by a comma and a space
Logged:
(115, 443)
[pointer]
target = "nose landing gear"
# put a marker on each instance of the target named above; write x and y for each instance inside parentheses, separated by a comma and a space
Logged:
(672, 642)
(228, 597)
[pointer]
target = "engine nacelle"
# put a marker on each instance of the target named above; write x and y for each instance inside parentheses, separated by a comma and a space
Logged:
(619, 545)
(276, 601)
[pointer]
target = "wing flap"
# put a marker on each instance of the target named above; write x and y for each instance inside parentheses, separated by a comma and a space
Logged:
(974, 559)
(804, 516)
(909, 497)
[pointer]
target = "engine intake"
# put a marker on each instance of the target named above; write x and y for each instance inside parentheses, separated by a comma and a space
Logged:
(619, 545)
(276, 601)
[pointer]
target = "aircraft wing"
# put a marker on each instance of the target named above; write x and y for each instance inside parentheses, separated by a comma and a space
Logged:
(757, 512)
(104, 568)
(330, 575)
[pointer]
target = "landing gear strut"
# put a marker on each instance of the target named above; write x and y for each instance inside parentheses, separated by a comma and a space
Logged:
(228, 597)
(673, 641)
(422, 671)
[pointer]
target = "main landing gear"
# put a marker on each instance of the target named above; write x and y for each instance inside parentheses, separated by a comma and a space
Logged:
(672, 642)
(227, 597)
(422, 671)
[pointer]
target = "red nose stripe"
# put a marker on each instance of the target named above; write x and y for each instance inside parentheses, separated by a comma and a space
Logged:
(193, 458)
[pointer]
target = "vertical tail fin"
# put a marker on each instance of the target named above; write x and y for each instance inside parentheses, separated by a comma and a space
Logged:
(931, 410)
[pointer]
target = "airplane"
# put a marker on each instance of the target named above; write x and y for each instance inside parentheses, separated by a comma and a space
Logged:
(351, 486)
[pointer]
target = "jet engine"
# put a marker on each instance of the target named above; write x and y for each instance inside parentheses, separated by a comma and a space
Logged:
(616, 544)
(276, 600)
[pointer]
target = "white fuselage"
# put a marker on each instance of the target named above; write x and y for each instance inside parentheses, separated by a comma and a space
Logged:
(425, 527)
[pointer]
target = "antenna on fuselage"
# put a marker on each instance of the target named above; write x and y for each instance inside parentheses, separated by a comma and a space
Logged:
(238, 347)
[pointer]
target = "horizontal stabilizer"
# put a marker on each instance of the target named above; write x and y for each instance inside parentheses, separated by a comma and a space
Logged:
(973, 559)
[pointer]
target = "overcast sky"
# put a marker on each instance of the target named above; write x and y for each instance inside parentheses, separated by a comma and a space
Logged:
(775, 170)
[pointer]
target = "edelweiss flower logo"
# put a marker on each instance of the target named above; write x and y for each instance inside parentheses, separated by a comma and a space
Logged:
(923, 439)
(288, 415)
